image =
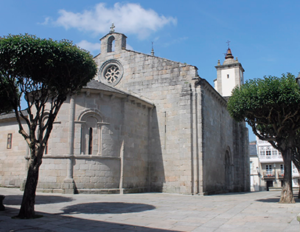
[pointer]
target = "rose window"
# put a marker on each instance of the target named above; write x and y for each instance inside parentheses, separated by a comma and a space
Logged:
(112, 74)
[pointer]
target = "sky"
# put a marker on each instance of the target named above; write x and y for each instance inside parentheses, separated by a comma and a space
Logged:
(264, 35)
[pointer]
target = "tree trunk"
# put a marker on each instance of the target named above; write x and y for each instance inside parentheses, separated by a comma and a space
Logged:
(28, 201)
(299, 187)
(287, 191)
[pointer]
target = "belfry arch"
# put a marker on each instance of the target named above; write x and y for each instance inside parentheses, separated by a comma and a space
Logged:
(111, 44)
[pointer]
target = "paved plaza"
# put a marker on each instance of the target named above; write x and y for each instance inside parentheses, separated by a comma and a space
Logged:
(152, 212)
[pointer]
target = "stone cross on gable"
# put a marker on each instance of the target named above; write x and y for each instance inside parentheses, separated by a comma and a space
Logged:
(112, 28)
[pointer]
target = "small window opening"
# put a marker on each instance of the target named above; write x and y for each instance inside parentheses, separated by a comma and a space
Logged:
(227, 75)
(9, 140)
(90, 140)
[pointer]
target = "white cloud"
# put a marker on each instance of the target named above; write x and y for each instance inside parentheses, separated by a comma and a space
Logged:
(89, 46)
(47, 21)
(128, 18)
(128, 47)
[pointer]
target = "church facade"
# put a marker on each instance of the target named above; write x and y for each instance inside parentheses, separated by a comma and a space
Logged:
(143, 124)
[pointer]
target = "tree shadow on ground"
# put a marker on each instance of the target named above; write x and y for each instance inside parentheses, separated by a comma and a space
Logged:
(228, 193)
(54, 222)
(276, 199)
(106, 208)
(39, 200)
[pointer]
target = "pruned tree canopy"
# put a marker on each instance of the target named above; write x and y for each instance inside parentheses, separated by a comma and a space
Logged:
(45, 73)
(270, 106)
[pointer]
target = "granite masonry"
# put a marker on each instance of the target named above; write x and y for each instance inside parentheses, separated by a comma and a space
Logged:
(144, 124)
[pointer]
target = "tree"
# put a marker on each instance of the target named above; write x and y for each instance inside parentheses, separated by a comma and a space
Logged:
(271, 106)
(296, 157)
(4, 97)
(44, 72)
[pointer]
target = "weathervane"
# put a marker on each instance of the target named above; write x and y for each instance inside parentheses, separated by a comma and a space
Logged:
(152, 51)
(112, 28)
(228, 42)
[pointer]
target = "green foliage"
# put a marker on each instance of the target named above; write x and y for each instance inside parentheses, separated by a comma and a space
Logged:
(258, 96)
(5, 105)
(270, 106)
(59, 66)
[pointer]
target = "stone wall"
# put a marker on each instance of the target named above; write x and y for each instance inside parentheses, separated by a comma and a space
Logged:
(12, 161)
(167, 84)
(134, 152)
(120, 145)
(222, 135)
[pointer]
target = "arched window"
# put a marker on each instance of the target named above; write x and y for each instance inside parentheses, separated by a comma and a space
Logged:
(90, 140)
(111, 44)
(90, 133)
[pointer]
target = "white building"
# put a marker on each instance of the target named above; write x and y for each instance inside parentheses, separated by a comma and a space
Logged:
(271, 166)
(255, 178)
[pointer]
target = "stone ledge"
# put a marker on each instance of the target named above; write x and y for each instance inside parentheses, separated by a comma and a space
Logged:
(50, 190)
(78, 157)
(295, 189)
(134, 190)
(98, 191)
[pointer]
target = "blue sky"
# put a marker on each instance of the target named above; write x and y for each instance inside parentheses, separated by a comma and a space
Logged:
(264, 34)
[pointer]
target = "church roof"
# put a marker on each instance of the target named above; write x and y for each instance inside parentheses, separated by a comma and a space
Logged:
(93, 84)
(10, 115)
(96, 85)
(110, 33)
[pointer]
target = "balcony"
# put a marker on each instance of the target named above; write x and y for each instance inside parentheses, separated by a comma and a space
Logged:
(295, 173)
(269, 175)
(280, 175)
(270, 158)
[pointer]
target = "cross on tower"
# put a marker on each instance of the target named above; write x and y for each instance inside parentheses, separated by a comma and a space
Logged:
(228, 42)
(112, 28)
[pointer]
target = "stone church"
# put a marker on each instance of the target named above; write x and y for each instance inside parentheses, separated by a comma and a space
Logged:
(143, 124)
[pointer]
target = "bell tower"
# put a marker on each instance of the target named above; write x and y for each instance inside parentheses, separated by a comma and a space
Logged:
(229, 74)
(113, 41)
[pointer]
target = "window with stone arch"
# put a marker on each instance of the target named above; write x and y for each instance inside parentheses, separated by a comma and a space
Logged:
(111, 44)
(90, 142)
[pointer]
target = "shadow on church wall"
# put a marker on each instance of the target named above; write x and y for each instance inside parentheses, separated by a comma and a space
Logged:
(156, 166)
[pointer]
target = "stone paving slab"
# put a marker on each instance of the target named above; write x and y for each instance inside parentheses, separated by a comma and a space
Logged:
(152, 212)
